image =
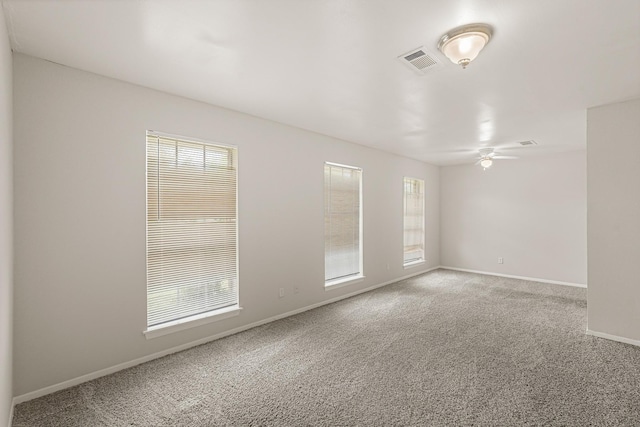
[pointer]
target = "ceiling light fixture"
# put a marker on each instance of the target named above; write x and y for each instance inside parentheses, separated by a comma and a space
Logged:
(486, 162)
(462, 44)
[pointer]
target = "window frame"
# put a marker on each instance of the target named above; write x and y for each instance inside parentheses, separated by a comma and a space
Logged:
(339, 282)
(421, 260)
(214, 315)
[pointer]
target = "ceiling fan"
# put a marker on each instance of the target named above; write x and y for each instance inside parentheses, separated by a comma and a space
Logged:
(488, 155)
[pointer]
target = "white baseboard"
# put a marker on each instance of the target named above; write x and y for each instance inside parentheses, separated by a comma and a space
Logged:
(113, 369)
(613, 337)
(13, 405)
(532, 279)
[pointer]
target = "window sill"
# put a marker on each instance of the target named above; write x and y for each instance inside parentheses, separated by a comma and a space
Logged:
(191, 322)
(413, 263)
(339, 283)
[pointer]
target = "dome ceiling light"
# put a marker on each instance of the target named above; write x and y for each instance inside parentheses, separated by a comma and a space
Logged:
(462, 44)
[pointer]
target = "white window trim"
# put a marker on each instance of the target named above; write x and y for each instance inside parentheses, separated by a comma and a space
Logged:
(343, 281)
(346, 167)
(191, 321)
(414, 263)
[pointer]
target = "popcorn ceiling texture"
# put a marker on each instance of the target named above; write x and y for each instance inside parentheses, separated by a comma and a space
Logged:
(444, 348)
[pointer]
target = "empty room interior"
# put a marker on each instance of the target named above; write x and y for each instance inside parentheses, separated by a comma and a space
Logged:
(322, 213)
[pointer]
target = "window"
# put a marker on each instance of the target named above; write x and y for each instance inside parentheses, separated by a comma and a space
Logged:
(413, 220)
(342, 223)
(191, 229)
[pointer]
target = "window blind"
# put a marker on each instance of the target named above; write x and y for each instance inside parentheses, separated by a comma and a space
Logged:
(413, 220)
(342, 220)
(191, 228)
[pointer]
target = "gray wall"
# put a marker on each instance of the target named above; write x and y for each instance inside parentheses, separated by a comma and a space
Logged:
(613, 148)
(6, 223)
(531, 212)
(80, 302)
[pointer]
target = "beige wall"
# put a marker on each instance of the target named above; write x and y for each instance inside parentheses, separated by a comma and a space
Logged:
(531, 212)
(613, 147)
(80, 303)
(6, 223)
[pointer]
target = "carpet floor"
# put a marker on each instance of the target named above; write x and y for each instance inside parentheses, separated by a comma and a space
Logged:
(440, 349)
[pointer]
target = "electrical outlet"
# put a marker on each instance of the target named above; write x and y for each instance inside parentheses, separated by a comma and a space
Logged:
(296, 289)
(500, 260)
(281, 292)
(388, 268)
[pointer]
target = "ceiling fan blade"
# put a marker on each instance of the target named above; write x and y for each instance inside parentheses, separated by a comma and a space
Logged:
(478, 162)
(505, 157)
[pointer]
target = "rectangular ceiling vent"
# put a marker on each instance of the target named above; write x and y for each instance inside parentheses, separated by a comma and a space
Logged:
(419, 60)
(530, 142)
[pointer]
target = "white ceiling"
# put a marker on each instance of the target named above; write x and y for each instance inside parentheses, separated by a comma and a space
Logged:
(330, 66)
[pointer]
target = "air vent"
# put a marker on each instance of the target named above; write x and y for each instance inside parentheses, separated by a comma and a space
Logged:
(530, 142)
(419, 60)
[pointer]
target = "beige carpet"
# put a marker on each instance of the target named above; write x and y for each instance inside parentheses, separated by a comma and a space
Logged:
(445, 348)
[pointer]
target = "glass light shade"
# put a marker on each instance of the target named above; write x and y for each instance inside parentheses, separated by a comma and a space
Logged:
(486, 162)
(463, 44)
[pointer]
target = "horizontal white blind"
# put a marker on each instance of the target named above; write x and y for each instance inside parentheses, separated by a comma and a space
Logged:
(191, 228)
(341, 221)
(413, 220)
